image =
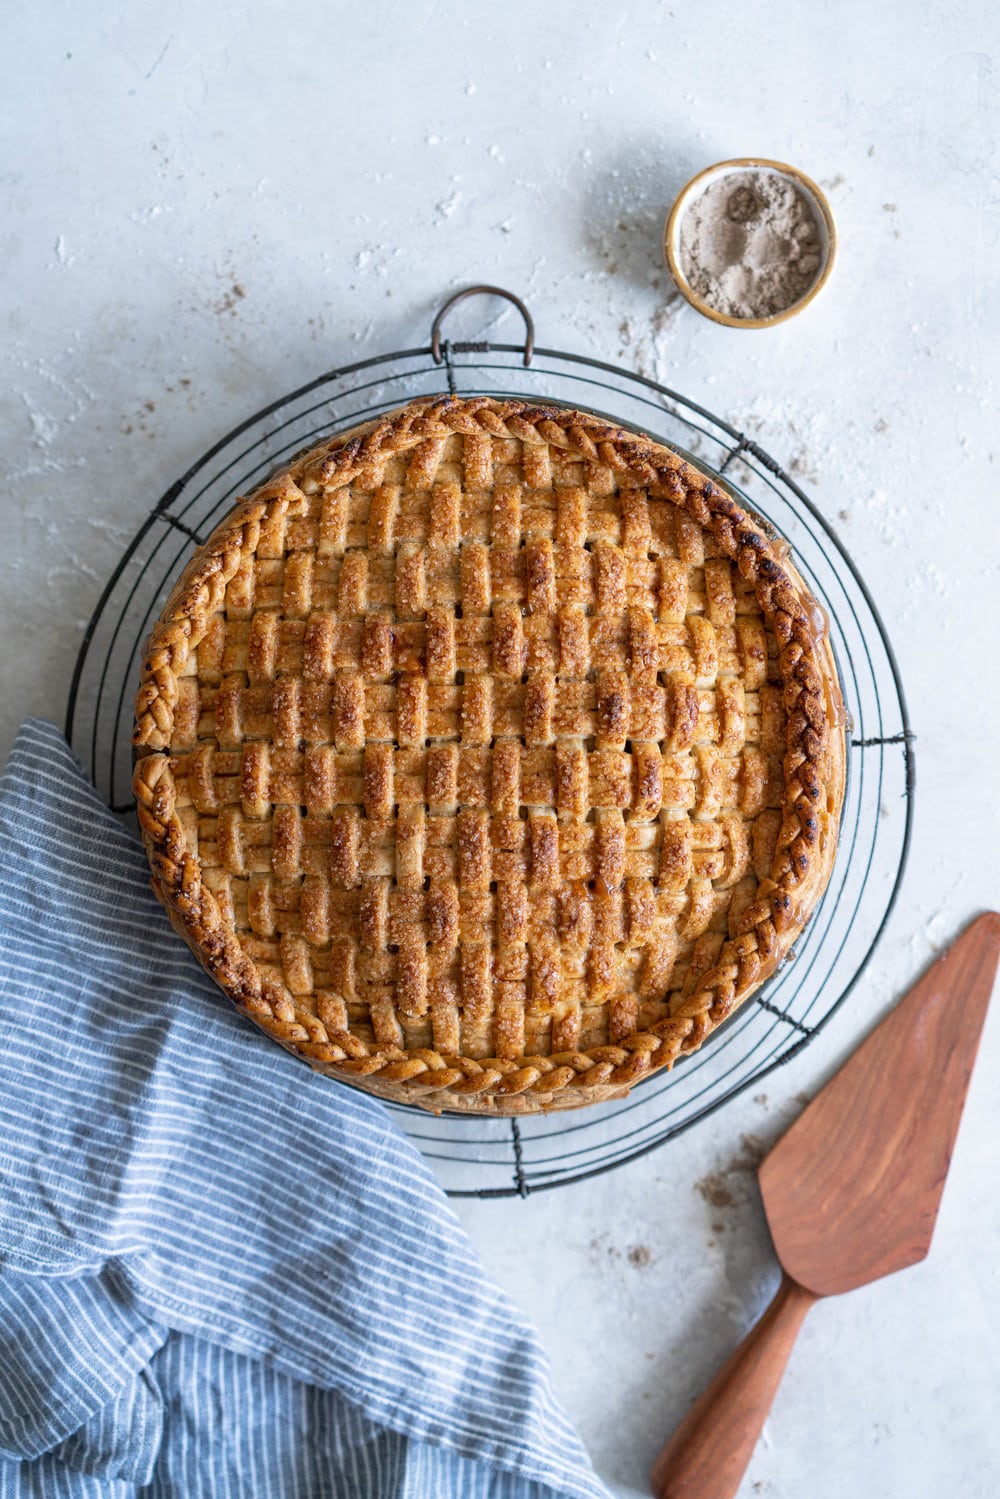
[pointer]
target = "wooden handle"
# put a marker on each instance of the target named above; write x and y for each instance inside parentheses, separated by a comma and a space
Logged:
(708, 1453)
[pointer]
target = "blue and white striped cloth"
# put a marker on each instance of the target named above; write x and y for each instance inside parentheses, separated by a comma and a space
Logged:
(220, 1274)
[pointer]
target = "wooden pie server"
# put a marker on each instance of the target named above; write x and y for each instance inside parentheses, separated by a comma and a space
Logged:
(851, 1193)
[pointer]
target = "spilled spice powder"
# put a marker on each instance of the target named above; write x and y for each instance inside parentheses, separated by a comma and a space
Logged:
(749, 244)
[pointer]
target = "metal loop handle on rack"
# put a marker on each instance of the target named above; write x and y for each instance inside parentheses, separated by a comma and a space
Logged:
(482, 291)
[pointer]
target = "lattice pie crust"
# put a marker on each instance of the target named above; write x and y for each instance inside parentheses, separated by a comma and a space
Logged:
(489, 756)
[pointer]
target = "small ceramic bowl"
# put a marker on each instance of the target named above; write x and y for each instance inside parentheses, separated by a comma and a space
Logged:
(814, 196)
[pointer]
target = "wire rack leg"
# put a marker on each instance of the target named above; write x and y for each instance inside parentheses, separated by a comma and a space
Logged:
(520, 1181)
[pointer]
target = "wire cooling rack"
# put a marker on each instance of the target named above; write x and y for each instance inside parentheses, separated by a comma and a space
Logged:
(504, 1157)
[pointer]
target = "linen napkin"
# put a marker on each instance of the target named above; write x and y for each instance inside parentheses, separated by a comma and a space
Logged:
(220, 1273)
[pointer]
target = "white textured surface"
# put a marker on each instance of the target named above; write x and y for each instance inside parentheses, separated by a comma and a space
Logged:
(205, 205)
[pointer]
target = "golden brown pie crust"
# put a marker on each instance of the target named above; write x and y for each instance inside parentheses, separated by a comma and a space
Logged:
(489, 756)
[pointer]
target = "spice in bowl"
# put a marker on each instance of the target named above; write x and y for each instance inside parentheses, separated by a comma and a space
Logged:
(749, 243)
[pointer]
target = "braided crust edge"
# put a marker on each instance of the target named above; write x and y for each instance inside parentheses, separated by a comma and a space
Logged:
(814, 773)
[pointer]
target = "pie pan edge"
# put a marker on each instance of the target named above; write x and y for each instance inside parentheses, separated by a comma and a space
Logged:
(814, 768)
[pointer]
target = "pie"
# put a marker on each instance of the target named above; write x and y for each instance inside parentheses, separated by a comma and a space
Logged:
(489, 756)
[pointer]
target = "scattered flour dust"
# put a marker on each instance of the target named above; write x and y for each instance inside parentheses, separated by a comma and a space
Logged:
(448, 205)
(43, 427)
(646, 344)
